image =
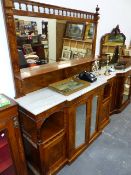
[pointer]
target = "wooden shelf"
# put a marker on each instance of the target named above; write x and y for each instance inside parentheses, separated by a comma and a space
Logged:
(112, 44)
(53, 126)
(83, 41)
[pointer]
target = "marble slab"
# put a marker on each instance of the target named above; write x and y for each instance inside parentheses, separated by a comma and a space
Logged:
(41, 100)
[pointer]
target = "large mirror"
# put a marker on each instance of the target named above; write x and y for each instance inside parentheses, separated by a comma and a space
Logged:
(49, 35)
(43, 40)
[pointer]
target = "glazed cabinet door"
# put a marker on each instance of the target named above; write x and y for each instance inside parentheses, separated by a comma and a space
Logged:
(77, 132)
(83, 125)
(94, 117)
(126, 89)
(6, 161)
(10, 161)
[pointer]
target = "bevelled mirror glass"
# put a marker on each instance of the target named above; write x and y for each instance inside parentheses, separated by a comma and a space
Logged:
(80, 125)
(42, 40)
(63, 48)
(93, 115)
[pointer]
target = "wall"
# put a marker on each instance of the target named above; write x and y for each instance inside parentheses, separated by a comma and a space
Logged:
(6, 78)
(111, 13)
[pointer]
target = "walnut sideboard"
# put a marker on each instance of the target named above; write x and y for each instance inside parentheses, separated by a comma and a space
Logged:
(57, 128)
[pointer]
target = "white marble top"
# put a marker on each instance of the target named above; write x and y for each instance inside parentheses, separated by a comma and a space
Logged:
(41, 100)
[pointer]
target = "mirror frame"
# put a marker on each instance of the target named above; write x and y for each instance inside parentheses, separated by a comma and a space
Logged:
(48, 11)
(115, 32)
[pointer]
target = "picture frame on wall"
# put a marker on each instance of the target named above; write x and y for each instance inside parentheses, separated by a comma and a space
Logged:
(75, 30)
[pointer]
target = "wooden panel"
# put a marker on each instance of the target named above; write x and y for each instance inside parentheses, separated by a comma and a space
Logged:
(34, 79)
(32, 155)
(114, 92)
(60, 29)
(53, 155)
(41, 81)
(104, 116)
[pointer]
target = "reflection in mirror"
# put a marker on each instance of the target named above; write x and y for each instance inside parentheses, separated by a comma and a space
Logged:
(80, 125)
(93, 115)
(42, 41)
(112, 45)
(126, 91)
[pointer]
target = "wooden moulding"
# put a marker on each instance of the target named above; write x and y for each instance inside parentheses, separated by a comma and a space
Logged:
(34, 78)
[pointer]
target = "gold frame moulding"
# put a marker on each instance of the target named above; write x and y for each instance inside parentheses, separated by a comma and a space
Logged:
(69, 85)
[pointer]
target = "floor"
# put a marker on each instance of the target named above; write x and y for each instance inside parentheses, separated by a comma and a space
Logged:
(110, 154)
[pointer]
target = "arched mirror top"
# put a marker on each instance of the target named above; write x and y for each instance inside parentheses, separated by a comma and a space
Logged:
(110, 41)
(114, 38)
(87, 38)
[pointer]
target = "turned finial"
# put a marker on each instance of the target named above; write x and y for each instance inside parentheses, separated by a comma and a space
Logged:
(97, 9)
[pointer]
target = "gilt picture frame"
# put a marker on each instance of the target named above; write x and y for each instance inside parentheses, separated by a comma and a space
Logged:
(75, 30)
(69, 85)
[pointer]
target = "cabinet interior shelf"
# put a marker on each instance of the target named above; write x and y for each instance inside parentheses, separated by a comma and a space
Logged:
(83, 41)
(112, 44)
(53, 126)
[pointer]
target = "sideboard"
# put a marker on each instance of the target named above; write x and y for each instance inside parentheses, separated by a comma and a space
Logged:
(56, 129)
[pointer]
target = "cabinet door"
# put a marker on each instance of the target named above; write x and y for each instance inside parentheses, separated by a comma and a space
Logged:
(6, 162)
(104, 114)
(53, 155)
(78, 124)
(13, 161)
(94, 117)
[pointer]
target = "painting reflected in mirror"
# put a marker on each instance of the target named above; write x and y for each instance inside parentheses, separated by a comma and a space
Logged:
(112, 45)
(44, 41)
(75, 30)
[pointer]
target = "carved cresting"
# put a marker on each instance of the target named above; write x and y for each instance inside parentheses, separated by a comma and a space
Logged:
(39, 9)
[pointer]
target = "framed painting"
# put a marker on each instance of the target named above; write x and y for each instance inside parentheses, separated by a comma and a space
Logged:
(69, 85)
(66, 54)
(75, 30)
